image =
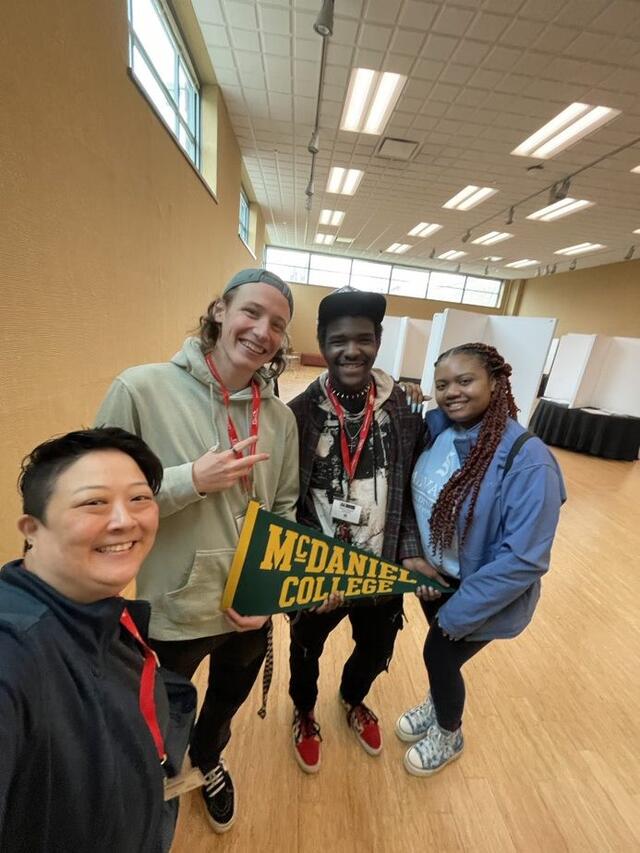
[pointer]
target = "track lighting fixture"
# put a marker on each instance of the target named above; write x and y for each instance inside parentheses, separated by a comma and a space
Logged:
(466, 237)
(432, 253)
(310, 188)
(324, 22)
(314, 143)
(573, 264)
(630, 253)
(511, 216)
(486, 270)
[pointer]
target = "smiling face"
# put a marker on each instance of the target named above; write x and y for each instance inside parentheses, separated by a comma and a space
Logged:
(463, 388)
(253, 324)
(99, 525)
(350, 347)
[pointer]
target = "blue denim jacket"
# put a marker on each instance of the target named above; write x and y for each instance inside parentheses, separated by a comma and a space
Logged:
(508, 545)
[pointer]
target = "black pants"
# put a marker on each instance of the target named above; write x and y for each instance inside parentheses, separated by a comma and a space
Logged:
(374, 630)
(444, 658)
(235, 661)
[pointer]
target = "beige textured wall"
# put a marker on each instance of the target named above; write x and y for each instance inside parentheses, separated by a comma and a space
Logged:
(601, 300)
(306, 299)
(110, 245)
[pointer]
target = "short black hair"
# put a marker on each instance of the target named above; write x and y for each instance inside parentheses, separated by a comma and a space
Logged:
(41, 468)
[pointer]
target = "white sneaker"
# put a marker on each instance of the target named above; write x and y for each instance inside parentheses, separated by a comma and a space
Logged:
(437, 749)
(416, 722)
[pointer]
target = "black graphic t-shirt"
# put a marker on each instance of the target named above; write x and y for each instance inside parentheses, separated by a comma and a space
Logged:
(368, 488)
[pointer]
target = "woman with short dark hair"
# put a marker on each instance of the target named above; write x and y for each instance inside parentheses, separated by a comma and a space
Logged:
(85, 733)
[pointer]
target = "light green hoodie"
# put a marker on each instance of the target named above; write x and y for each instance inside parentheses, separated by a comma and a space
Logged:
(177, 408)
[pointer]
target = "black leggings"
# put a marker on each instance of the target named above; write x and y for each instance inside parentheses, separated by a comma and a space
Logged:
(444, 658)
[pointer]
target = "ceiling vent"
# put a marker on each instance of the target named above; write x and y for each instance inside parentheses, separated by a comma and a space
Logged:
(396, 149)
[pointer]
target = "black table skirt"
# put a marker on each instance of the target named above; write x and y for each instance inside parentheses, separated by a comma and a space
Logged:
(610, 436)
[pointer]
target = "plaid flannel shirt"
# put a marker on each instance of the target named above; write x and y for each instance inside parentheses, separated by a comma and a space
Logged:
(401, 536)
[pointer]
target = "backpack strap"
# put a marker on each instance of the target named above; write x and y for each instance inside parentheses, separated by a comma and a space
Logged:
(515, 449)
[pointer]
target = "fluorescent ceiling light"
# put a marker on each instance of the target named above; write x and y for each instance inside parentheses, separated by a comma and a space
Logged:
(492, 237)
(331, 217)
(423, 229)
(370, 100)
(636, 170)
(637, 231)
(345, 239)
(569, 126)
(326, 239)
(469, 197)
(580, 248)
(451, 255)
(560, 208)
(398, 248)
(343, 181)
(525, 262)
(494, 258)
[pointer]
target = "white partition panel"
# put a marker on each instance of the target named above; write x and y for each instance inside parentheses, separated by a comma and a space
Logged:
(415, 349)
(568, 368)
(392, 345)
(524, 342)
(618, 388)
(589, 377)
(553, 349)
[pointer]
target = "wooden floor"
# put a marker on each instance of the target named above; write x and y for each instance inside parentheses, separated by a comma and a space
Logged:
(552, 724)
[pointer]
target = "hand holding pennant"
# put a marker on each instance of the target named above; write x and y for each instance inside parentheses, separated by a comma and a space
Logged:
(280, 566)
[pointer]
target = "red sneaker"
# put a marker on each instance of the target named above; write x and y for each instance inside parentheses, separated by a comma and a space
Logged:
(306, 741)
(364, 724)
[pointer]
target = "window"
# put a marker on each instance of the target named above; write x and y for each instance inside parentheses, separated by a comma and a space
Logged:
(160, 64)
(409, 282)
(243, 228)
(329, 270)
(482, 291)
(371, 276)
(447, 287)
(337, 271)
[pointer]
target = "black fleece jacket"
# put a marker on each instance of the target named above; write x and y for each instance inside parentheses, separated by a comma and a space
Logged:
(79, 770)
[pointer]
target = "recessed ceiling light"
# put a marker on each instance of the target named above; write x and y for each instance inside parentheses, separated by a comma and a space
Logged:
(494, 258)
(370, 100)
(343, 181)
(560, 208)
(637, 231)
(492, 237)
(423, 229)
(469, 197)
(451, 255)
(636, 170)
(525, 262)
(580, 248)
(331, 217)
(345, 239)
(398, 248)
(569, 126)
(326, 239)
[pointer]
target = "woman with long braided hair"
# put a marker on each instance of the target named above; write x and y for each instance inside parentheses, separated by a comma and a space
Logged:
(487, 497)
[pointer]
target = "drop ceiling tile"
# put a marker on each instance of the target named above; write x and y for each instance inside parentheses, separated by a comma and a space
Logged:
(502, 59)
(274, 20)
(245, 39)
(208, 11)
(276, 45)
(407, 41)
(345, 32)
(215, 36)
(397, 63)
(373, 37)
(428, 69)
(439, 47)
(452, 21)
(554, 39)
(240, 14)
(339, 54)
(487, 27)
(222, 58)
(471, 52)
(368, 59)
(521, 33)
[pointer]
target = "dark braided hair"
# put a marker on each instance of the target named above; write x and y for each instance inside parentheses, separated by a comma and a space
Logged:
(468, 479)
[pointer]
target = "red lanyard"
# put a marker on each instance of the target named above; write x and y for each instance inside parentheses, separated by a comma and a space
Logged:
(351, 462)
(147, 685)
(231, 427)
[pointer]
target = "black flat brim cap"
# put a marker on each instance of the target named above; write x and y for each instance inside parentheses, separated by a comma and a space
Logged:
(349, 302)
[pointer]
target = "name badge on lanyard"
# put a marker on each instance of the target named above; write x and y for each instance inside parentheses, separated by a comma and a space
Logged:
(346, 511)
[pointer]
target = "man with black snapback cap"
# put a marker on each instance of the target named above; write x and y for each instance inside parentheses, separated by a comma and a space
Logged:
(201, 413)
(358, 442)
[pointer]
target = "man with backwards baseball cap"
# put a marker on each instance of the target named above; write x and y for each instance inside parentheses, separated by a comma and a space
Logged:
(223, 437)
(358, 442)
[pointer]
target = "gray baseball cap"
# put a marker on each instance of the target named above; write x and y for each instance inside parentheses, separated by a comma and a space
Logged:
(251, 276)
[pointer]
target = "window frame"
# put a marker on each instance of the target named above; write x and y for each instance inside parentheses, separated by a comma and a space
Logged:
(182, 61)
(467, 284)
(247, 205)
